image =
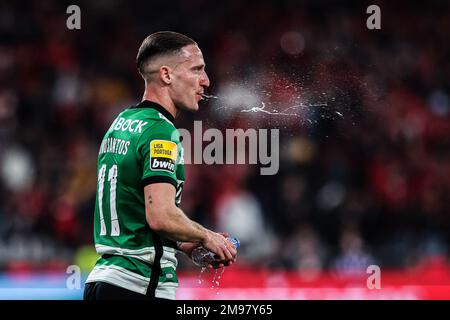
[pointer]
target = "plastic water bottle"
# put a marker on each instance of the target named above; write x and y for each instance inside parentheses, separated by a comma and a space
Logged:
(202, 256)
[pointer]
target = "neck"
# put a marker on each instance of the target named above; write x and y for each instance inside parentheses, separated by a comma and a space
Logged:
(161, 97)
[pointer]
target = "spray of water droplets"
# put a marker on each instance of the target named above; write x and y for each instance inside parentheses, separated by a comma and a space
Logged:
(207, 97)
(215, 282)
(200, 276)
(284, 112)
(305, 113)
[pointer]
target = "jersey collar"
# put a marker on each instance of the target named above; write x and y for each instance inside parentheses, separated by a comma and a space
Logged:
(156, 106)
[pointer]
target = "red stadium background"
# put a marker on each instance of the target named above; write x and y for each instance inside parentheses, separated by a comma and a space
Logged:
(364, 171)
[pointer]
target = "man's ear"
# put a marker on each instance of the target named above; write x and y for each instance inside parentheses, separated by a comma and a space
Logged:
(165, 75)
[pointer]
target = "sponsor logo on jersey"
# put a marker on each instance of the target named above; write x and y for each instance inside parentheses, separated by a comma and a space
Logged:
(163, 155)
(133, 126)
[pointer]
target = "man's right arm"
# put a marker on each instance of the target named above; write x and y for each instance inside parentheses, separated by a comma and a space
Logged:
(165, 218)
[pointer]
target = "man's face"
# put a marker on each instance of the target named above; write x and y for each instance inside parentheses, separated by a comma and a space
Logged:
(189, 79)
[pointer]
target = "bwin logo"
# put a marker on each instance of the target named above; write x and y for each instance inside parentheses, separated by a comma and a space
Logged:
(162, 164)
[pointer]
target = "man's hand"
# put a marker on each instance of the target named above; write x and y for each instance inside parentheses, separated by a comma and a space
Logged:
(188, 247)
(225, 252)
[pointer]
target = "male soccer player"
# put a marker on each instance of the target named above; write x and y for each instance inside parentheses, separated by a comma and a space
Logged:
(138, 226)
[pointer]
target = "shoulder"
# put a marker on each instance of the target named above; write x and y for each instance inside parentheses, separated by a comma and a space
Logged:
(160, 128)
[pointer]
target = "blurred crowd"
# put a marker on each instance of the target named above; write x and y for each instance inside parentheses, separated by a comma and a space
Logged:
(364, 157)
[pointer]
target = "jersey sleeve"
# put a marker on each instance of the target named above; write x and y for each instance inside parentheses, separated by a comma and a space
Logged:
(158, 148)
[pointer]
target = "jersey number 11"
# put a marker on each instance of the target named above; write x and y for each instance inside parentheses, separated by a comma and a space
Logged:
(112, 178)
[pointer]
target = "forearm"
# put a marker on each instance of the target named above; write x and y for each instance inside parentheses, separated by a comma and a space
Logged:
(176, 226)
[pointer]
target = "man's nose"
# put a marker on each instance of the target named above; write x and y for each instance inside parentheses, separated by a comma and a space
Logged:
(204, 81)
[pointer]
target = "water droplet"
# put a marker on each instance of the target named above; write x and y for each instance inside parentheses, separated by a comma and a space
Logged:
(200, 280)
(216, 280)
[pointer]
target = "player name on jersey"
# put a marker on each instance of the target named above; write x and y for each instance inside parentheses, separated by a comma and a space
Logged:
(114, 145)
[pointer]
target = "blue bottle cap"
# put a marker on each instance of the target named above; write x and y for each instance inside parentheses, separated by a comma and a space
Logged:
(235, 241)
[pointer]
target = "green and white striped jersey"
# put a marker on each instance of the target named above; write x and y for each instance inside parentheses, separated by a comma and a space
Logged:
(141, 147)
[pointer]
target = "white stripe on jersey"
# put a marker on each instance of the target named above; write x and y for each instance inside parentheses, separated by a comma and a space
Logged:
(124, 278)
(147, 254)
